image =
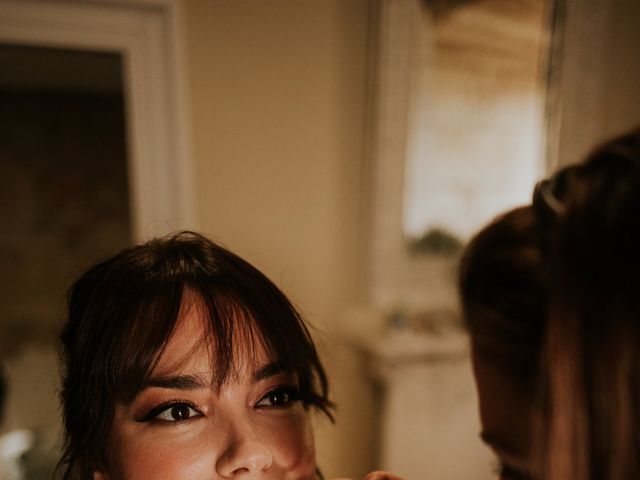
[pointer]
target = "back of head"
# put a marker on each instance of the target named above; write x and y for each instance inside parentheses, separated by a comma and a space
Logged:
(503, 292)
(550, 290)
(589, 214)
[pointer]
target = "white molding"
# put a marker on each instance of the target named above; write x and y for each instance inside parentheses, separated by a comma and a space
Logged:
(147, 34)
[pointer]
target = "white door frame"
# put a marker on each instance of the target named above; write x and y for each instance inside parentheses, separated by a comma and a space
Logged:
(147, 33)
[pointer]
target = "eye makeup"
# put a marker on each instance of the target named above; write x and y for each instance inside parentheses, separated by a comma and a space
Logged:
(173, 411)
(177, 410)
(280, 396)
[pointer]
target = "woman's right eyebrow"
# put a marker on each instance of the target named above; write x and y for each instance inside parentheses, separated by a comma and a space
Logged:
(177, 382)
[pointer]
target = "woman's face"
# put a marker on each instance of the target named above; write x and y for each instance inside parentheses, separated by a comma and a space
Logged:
(181, 427)
(505, 414)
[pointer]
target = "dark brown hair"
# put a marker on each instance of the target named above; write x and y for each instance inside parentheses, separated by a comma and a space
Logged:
(554, 287)
(123, 311)
(502, 287)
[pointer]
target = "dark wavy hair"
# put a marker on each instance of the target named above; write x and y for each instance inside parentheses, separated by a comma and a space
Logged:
(123, 311)
(553, 291)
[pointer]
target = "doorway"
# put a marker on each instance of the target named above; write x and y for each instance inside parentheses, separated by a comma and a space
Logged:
(64, 193)
(94, 158)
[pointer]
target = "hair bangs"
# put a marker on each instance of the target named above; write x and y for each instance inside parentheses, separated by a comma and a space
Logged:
(149, 330)
(240, 322)
(250, 312)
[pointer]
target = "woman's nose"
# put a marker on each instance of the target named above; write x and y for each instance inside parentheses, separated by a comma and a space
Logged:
(243, 456)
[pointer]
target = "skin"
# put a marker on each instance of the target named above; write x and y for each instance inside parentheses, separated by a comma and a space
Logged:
(248, 429)
(381, 476)
(377, 475)
(505, 415)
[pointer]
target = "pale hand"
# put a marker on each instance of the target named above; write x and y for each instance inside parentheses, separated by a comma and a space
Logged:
(376, 476)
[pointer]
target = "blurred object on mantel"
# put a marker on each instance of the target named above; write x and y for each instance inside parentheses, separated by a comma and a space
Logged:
(402, 336)
(418, 339)
(13, 445)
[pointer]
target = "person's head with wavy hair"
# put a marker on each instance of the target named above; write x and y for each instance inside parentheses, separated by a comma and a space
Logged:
(551, 296)
(183, 361)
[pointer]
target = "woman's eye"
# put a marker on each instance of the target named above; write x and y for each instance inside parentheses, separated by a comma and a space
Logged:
(175, 412)
(279, 397)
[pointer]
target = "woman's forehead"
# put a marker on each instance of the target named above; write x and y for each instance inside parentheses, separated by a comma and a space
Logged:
(192, 344)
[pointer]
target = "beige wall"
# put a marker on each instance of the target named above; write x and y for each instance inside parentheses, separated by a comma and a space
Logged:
(278, 118)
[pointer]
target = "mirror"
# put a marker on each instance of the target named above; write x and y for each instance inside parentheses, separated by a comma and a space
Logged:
(475, 132)
(465, 122)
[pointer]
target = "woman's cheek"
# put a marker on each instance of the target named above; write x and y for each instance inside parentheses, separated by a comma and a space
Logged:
(191, 451)
(165, 456)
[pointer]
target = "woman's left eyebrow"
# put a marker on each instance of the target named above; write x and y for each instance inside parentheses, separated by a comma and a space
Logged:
(195, 382)
(177, 382)
(268, 370)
